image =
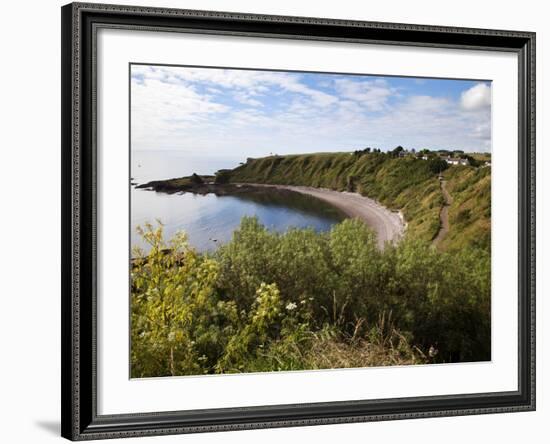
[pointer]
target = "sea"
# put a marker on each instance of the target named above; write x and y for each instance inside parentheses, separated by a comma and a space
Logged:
(209, 220)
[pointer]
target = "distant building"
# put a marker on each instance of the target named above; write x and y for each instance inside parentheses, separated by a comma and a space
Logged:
(456, 161)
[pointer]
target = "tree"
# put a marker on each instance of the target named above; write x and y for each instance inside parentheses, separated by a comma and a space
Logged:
(471, 160)
(395, 152)
(437, 165)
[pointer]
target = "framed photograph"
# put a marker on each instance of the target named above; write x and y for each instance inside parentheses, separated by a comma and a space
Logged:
(282, 221)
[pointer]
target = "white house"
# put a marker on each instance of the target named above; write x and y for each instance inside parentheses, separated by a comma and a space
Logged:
(456, 161)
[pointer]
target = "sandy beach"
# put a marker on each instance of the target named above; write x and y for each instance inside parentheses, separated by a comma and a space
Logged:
(388, 225)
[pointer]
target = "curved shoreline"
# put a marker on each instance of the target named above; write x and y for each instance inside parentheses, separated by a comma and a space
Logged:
(388, 225)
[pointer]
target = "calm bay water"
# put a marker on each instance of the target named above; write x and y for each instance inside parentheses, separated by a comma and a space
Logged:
(210, 220)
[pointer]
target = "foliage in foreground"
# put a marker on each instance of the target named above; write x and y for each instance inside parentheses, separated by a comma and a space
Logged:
(305, 300)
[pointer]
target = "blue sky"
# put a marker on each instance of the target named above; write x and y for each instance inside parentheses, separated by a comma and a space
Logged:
(247, 113)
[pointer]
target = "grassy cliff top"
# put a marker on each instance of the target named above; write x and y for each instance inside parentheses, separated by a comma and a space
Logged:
(408, 183)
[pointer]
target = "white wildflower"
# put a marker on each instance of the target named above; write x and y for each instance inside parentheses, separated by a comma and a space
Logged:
(291, 306)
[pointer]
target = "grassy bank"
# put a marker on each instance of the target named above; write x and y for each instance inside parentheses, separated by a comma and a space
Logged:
(409, 184)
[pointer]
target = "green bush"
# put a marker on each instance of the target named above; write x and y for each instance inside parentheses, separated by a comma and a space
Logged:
(302, 300)
(176, 320)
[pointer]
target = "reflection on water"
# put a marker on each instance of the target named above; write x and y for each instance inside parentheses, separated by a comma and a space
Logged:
(210, 220)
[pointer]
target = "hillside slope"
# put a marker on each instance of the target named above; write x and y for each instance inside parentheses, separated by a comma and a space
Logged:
(407, 184)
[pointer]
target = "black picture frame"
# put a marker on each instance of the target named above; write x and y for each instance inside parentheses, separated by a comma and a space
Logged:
(80, 420)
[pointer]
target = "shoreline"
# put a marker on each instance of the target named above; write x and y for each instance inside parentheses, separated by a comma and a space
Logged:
(388, 225)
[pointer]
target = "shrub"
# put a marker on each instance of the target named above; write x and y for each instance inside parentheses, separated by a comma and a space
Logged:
(173, 300)
(301, 300)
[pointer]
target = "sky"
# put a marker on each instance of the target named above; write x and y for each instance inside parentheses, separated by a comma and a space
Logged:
(250, 113)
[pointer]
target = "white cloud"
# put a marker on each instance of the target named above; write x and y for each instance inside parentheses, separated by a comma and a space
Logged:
(422, 105)
(477, 97)
(292, 85)
(245, 99)
(251, 113)
(161, 110)
(252, 82)
(373, 94)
